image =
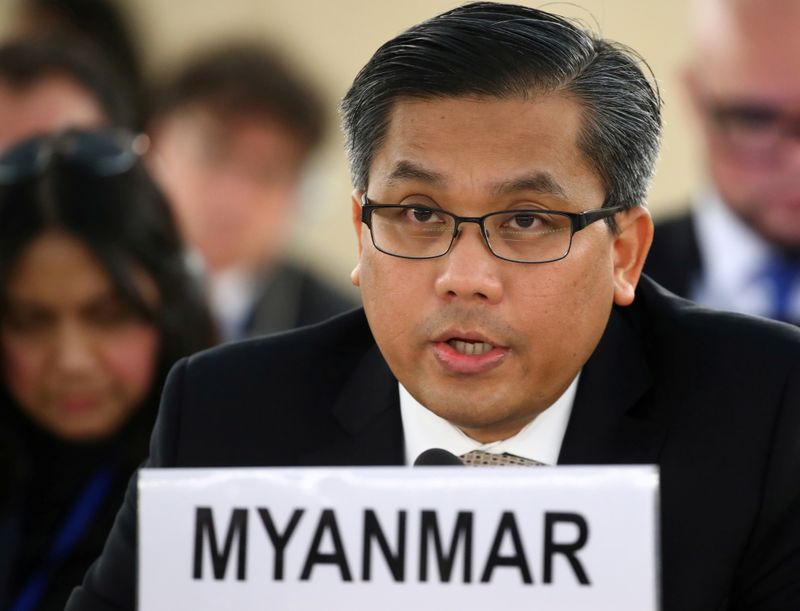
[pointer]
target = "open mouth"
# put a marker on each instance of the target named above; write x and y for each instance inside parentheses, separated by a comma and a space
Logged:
(469, 348)
(468, 355)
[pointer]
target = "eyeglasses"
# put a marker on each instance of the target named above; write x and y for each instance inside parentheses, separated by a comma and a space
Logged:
(104, 152)
(520, 236)
(754, 130)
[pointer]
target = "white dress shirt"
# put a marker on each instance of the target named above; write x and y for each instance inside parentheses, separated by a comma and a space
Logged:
(231, 296)
(734, 260)
(539, 440)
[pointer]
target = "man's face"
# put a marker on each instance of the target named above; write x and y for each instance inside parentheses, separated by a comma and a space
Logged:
(49, 104)
(542, 321)
(749, 73)
(232, 182)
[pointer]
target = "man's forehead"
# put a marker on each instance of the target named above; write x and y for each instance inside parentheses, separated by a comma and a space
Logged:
(749, 49)
(536, 139)
(245, 130)
(50, 103)
(539, 181)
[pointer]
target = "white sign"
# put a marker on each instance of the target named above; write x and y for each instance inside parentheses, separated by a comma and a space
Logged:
(399, 539)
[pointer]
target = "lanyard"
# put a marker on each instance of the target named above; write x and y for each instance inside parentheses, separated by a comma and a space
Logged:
(72, 529)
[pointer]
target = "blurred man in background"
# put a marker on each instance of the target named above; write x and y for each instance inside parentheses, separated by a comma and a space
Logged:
(54, 82)
(231, 134)
(739, 247)
(103, 25)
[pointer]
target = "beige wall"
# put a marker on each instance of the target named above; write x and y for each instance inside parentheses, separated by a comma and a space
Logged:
(331, 39)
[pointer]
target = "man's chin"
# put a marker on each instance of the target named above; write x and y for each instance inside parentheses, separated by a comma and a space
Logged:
(488, 432)
(783, 233)
(479, 419)
(779, 227)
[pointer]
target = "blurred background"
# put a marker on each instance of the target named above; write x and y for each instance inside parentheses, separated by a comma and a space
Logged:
(328, 42)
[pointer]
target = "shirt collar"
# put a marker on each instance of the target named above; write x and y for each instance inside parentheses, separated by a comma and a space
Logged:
(232, 293)
(539, 440)
(732, 253)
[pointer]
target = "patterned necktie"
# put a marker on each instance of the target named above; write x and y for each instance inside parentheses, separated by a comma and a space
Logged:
(478, 458)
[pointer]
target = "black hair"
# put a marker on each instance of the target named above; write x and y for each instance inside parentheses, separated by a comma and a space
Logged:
(503, 51)
(247, 79)
(24, 62)
(126, 223)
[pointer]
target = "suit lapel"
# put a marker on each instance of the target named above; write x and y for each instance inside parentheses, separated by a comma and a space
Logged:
(610, 423)
(368, 411)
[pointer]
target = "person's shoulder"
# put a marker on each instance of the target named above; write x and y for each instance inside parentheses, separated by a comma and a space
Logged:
(730, 335)
(344, 336)
(294, 296)
(673, 234)
(319, 298)
(675, 223)
(259, 401)
(674, 255)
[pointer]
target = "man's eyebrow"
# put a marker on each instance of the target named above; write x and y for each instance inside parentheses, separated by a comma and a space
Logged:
(541, 182)
(405, 170)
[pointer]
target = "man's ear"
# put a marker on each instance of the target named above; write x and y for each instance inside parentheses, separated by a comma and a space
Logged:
(631, 245)
(355, 275)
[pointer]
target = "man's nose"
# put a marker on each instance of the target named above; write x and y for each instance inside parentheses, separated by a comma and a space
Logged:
(470, 271)
(230, 192)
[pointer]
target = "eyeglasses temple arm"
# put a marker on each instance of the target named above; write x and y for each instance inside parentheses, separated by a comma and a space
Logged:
(584, 219)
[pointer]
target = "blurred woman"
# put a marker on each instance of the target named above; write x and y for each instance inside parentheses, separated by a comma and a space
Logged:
(95, 306)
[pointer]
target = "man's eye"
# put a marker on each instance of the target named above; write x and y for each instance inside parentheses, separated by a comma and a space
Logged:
(524, 221)
(749, 118)
(422, 215)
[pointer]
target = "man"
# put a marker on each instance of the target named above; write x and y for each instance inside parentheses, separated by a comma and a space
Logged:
(515, 327)
(105, 26)
(231, 135)
(54, 82)
(739, 246)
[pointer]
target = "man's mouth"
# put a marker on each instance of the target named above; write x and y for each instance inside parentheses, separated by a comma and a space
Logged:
(467, 353)
(469, 347)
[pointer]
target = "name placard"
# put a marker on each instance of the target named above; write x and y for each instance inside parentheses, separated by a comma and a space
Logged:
(394, 538)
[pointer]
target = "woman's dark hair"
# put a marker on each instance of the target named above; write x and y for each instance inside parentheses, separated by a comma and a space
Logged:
(120, 216)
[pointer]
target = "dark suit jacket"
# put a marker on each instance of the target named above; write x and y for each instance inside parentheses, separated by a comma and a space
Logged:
(294, 297)
(713, 398)
(674, 260)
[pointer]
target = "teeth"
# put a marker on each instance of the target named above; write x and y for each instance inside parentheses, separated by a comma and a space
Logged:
(470, 348)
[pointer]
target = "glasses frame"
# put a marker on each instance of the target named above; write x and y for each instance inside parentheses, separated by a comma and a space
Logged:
(578, 221)
(777, 129)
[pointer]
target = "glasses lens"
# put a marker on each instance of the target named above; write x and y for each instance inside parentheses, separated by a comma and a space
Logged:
(529, 236)
(411, 232)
